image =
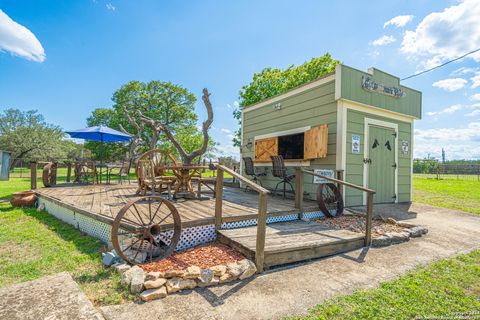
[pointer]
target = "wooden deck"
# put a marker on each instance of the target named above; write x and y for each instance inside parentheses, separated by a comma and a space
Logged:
(293, 241)
(103, 202)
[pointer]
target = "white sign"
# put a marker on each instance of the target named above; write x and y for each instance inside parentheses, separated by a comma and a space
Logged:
(323, 172)
(404, 147)
(355, 143)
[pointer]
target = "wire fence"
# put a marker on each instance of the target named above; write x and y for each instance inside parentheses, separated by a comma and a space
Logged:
(433, 169)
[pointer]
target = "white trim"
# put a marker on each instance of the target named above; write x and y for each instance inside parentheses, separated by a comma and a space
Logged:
(377, 111)
(341, 155)
(241, 147)
(385, 124)
(290, 93)
(281, 133)
(338, 81)
(411, 160)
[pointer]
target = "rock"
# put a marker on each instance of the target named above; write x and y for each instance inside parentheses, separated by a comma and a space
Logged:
(405, 225)
(137, 277)
(227, 277)
(214, 281)
(110, 258)
(381, 241)
(153, 284)
(121, 267)
(206, 276)
(192, 272)
(219, 270)
(417, 231)
(187, 284)
(398, 237)
(250, 270)
(153, 275)
(152, 294)
(234, 269)
(136, 256)
(173, 285)
(174, 274)
(391, 221)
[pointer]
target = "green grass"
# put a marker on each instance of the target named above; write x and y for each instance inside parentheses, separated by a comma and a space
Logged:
(444, 288)
(34, 244)
(452, 194)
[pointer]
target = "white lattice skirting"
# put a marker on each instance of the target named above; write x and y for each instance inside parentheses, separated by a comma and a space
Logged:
(190, 237)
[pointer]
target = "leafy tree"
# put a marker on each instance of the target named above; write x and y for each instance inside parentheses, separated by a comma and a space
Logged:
(28, 136)
(271, 82)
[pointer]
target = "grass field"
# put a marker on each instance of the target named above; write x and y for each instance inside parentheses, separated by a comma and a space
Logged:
(454, 194)
(445, 289)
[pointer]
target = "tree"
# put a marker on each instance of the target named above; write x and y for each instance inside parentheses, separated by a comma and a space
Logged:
(28, 136)
(271, 82)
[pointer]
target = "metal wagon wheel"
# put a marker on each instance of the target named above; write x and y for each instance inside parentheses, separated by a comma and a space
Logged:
(146, 229)
(49, 175)
(329, 200)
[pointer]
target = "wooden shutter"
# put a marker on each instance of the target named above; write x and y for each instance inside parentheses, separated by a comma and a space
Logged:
(316, 142)
(264, 148)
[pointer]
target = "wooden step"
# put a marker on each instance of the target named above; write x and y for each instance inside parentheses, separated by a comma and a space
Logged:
(292, 241)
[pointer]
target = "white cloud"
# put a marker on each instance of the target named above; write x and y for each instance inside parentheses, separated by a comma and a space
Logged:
(441, 36)
(451, 85)
(465, 70)
(475, 97)
(110, 7)
(383, 40)
(475, 81)
(226, 130)
(470, 133)
(18, 40)
(398, 21)
(449, 110)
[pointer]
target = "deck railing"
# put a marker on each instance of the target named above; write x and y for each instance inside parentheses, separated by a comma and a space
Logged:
(299, 197)
(262, 210)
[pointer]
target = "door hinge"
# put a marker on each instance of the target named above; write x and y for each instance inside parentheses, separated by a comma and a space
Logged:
(394, 165)
(394, 134)
(394, 197)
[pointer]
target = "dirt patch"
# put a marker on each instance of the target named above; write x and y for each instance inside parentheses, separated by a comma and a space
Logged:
(357, 224)
(205, 256)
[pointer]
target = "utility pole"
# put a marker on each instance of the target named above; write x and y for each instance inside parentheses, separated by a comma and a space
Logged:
(443, 155)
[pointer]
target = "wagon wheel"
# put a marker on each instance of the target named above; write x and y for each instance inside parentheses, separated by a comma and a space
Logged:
(146, 229)
(329, 200)
(49, 175)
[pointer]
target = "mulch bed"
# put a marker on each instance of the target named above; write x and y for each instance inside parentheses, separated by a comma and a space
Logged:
(357, 224)
(205, 256)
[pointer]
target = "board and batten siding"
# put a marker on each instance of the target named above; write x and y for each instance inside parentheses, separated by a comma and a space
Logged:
(312, 107)
(354, 162)
(351, 89)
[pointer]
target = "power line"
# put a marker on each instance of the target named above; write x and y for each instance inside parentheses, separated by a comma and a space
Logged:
(441, 65)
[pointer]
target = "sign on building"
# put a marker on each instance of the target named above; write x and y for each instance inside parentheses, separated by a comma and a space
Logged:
(324, 172)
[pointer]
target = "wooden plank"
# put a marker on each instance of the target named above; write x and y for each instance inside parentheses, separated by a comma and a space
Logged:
(219, 199)
(265, 148)
(316, 142)
(33, 175)
(261, 229)
(299, 191)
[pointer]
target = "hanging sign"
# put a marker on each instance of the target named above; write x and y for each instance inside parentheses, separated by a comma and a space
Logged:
(370, 85)
(404, 147)
(323, 172)
(355, 143)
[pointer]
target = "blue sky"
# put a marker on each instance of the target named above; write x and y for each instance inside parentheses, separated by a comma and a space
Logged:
(66, 58)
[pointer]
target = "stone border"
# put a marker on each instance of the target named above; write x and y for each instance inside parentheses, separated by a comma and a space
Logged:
(389, 238)
(157, 285)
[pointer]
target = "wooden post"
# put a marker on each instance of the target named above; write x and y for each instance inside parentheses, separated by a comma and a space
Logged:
(69, 171)
(33, 175)
(218, 199)
(368, 226)
(261, 229)
(299, 191)
(340, 177)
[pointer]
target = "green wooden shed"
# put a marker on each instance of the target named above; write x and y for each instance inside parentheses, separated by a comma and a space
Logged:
(354, 122)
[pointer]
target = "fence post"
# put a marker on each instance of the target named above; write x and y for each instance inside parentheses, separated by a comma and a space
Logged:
(299, 191)
(218, 198)
(69, 171)
(261, 229)
(33, 175)
(368, 226)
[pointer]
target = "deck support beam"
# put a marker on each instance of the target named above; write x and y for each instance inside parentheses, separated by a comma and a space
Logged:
(33, 175)
(299, 191)
(368, 226)
(218, 199)
(261, 230)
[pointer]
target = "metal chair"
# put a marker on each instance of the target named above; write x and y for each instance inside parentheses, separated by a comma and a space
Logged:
(250, 171)
(85, 169)
(280, 171)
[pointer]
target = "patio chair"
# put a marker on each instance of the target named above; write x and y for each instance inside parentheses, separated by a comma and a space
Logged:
(160, 159)
(280, 171)
(123, 173)
(84, 170)
(250, 171)
(153, 182)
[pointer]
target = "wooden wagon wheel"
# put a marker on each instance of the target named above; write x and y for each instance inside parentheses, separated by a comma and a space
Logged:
(329, 200)
(146, 229)
(160, 158)
(49, 175)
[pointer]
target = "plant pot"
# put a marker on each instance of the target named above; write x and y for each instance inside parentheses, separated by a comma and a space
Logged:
(23, 199)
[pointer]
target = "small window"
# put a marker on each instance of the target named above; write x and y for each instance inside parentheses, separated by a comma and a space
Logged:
(291, 146)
